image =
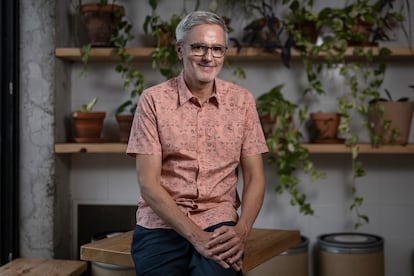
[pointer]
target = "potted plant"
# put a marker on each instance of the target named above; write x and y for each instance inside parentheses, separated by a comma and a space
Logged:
(263, 31)
(163, 30)
(100, 21)
(103, 22)
(302, 23)
(390, 120)
(274, 110)
(88, 124)
(323, 127)
(133, 80)
(164, 57)
(125, 112)
(125, 124)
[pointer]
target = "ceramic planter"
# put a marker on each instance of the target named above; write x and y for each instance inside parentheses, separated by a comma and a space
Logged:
(398, 115)
(88, 126)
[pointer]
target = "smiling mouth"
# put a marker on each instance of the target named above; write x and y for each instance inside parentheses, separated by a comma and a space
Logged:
(207, 65)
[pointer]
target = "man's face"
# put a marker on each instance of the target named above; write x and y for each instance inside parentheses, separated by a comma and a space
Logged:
(202, 67)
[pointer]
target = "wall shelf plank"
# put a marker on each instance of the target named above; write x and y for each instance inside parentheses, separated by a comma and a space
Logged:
(90, 148)
(247, 53)
(70, 148)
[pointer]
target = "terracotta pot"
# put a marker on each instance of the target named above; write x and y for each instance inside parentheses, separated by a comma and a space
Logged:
(309, 31)
(261, 32)
(267, 124)
(88, 126)
(99, 22)
(364, 30)
(164, 39)
(324, 127)
(125, 123)
(399, 115)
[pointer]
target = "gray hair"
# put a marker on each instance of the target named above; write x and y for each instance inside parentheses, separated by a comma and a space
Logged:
(199, 18)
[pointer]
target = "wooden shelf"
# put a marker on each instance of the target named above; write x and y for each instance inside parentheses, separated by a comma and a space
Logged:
(90, 148)
(313, 148)
(363, 148)
(248, 53)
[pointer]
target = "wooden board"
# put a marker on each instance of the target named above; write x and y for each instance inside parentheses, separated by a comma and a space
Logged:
(41, 267)
(262, 245)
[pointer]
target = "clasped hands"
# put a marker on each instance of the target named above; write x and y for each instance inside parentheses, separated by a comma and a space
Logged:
(226, 247)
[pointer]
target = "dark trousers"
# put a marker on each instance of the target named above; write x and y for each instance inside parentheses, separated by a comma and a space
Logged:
(161, 252)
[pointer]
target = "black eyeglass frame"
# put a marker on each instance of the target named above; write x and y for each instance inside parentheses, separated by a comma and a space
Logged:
(205, 49)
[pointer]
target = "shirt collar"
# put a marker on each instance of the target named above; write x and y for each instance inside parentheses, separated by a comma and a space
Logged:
(184, 94)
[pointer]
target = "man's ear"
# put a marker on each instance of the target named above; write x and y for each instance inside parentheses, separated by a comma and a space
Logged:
(178, 48)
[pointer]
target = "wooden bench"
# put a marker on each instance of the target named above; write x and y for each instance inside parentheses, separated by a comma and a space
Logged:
(261, 246)
(42, 267)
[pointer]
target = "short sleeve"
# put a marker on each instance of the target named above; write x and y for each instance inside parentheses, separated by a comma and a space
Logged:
(144, 138)
(254, 141)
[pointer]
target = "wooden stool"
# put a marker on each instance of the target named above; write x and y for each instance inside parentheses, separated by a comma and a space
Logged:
(42, 267)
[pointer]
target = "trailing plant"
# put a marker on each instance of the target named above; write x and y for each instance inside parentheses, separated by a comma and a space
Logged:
(362, 76)
(357, 200)
(364, 80)
(132, 78)
(288, 154)
(85, 54)
(164, 56)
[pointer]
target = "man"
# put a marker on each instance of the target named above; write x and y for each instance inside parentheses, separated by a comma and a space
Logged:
(189, 136)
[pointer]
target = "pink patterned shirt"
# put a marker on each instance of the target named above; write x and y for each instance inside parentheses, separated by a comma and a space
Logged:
(200, 145)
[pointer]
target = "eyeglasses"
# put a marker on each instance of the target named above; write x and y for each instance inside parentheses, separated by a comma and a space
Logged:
(199, 49)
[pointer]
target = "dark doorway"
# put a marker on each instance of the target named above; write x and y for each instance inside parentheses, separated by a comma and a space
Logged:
(98, 220)
(9, 130)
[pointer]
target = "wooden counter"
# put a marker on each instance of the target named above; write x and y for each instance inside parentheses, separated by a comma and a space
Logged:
(262, 245)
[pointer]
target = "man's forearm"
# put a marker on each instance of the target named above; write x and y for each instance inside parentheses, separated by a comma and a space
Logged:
(253, 191)
(148, 172)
